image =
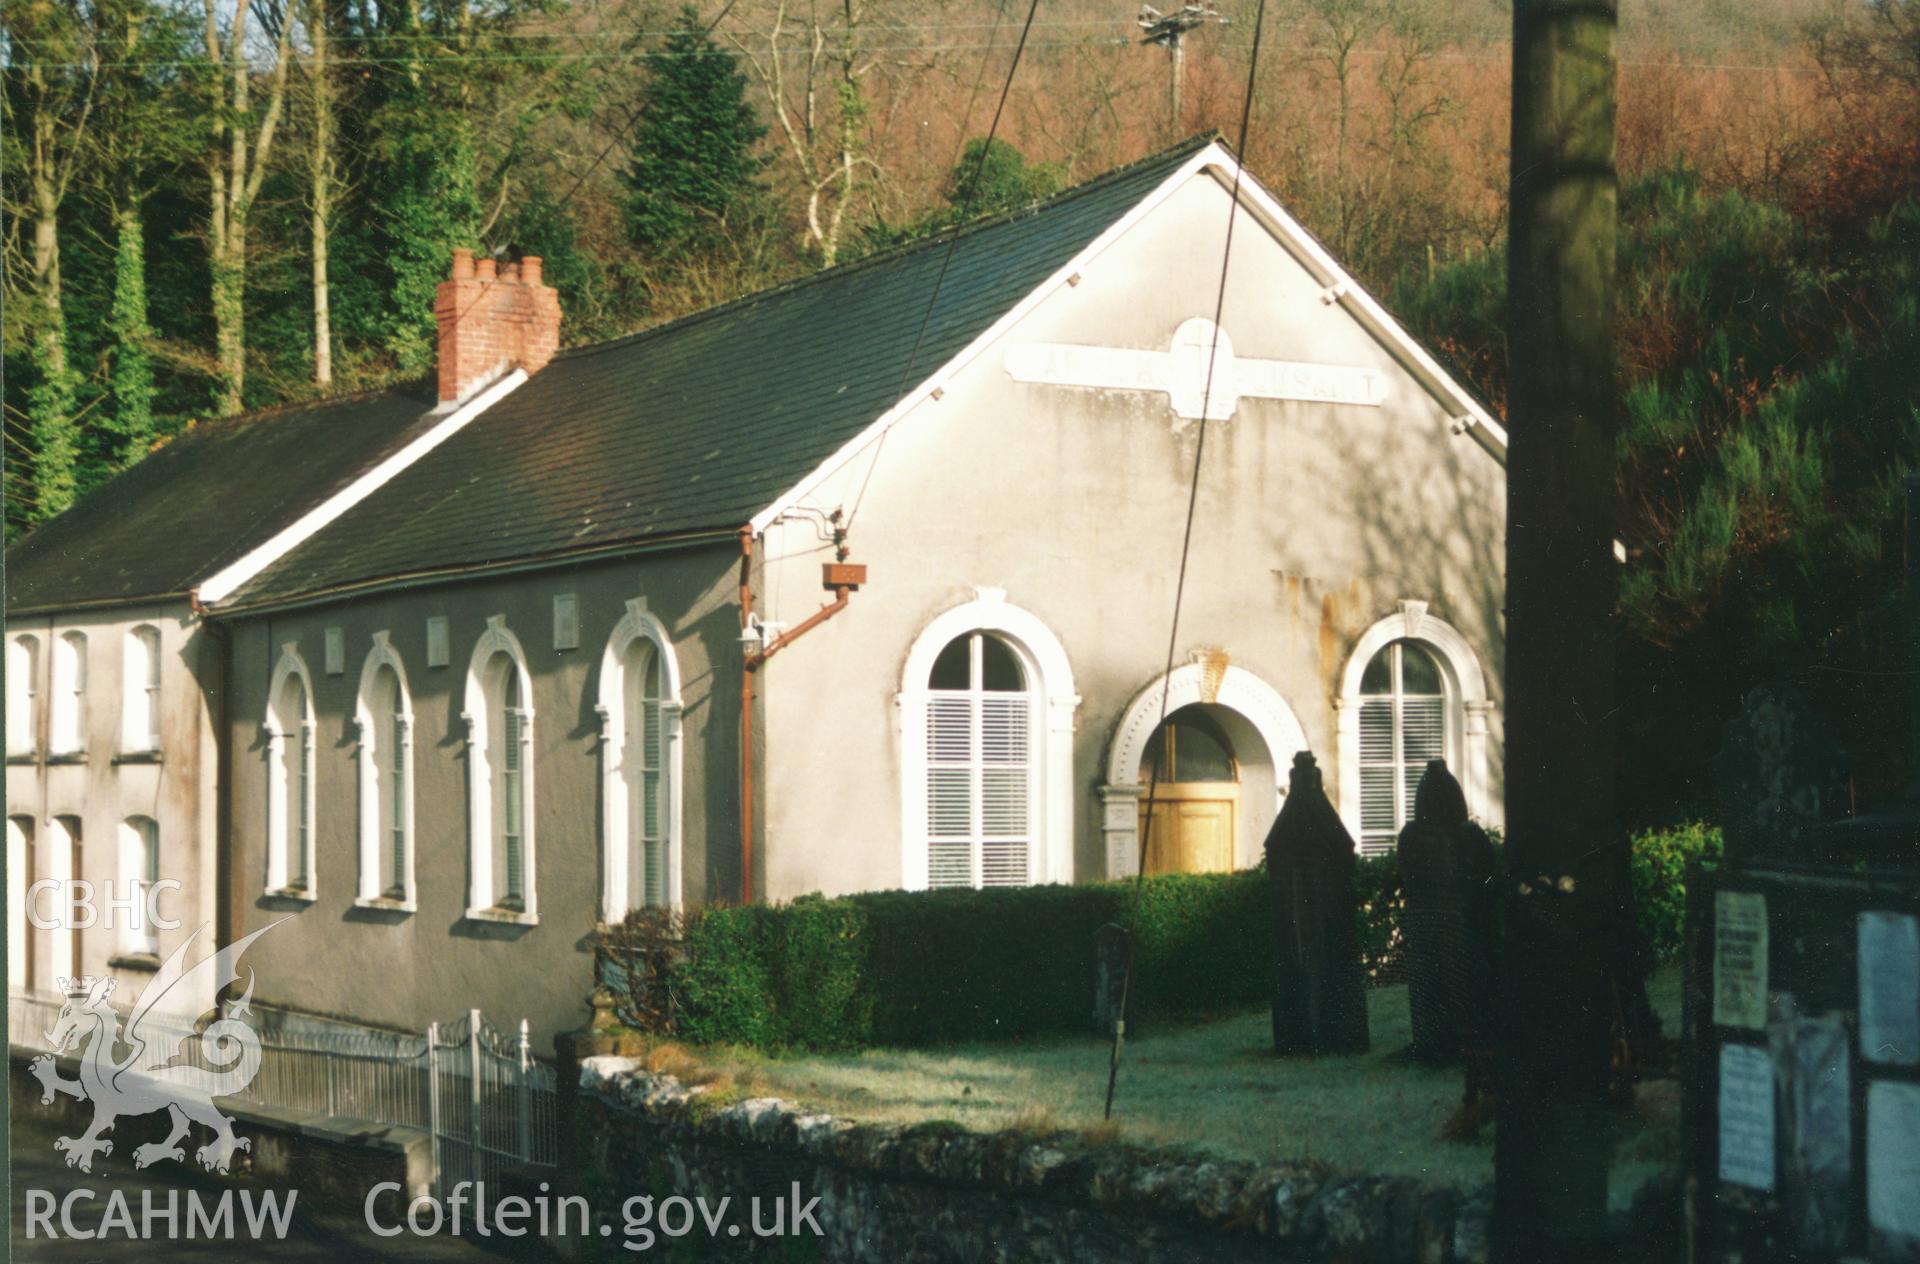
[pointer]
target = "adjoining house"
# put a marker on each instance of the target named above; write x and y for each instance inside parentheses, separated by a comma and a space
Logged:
(114, 679)
(838, 588)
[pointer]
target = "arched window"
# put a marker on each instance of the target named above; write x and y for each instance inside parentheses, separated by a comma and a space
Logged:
(500, 779)
(65, 865)
(1403, 724)
(1413, 690)
(640, 767)
(140, 691)
(986, 713)
(20, 878)
(980, 791)
(67, 725)
(23, 686)
(290, 774)
(139, 871)
(384, 714)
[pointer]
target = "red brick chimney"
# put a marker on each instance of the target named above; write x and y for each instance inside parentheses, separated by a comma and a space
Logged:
(492, 321)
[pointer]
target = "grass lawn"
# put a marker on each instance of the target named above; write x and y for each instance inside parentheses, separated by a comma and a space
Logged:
(1213, 1086)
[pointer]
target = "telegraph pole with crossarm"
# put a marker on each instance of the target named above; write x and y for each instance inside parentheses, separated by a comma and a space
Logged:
(1167, 29)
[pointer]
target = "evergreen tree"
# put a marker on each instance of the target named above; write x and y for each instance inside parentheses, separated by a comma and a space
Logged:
(429, 207)
(994, 176)
(693, 164)
(131, 376)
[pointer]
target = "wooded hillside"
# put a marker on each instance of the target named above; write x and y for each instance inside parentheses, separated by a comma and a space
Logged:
(211, 208)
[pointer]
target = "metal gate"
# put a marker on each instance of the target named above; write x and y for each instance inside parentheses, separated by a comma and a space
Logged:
(491, 1107)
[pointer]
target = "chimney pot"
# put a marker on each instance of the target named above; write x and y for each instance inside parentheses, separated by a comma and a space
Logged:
(493, 316)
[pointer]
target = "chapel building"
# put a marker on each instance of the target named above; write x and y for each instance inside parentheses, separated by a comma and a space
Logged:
(847, 585)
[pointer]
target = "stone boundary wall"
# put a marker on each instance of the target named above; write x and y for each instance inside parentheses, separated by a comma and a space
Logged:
(937, 1192)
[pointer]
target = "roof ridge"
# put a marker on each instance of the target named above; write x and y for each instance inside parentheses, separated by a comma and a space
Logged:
(1181, 151)
(197, 425)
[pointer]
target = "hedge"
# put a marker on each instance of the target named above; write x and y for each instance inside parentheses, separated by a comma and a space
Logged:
(1661, 860)
(909, 968)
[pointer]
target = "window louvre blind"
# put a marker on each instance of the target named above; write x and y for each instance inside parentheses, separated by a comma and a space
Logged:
(302, 807)
(511, 784)
(979, 780)
(1400, 731)
(652, 824)
(397, 824)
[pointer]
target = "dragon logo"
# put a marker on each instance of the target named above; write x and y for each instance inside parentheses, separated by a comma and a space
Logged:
(152, 1076)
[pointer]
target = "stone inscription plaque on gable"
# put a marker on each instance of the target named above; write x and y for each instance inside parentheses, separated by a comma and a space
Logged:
(1180, 372)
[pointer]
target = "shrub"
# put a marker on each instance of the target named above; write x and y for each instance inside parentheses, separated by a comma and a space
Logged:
(936, 967)
(1661, 859)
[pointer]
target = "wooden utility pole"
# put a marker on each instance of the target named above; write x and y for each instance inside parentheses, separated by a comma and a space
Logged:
(1166, 29)
(1568, 894)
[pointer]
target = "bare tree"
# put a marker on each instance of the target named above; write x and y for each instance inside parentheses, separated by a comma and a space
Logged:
(237, 163)
(810, 61)
(322, 174)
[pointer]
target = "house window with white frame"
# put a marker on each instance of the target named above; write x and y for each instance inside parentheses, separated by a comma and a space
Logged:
(67, 723)
(384, 715)
(20, 879)
(500, 780)
(1405, 720)
(979, 765)
(140, 692)
(639, 711)
(139, 872)
(23, 693)
(290, 778)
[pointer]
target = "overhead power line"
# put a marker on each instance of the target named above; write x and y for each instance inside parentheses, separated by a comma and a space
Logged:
(1186, 552)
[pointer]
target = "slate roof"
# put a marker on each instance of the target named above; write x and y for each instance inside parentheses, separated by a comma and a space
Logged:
(206, 498)
(697, 425)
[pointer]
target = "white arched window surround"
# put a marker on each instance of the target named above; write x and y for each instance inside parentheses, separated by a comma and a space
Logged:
(1236, 689)
(1469, 710)
(378, 760)
(67, 724)
(619, 750)
(290, 797)
(23, 690)
(1045, 660)
(482, 902)
(140, 691)
(20, 876)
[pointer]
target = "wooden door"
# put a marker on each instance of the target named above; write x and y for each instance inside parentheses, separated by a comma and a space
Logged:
(1192, 828)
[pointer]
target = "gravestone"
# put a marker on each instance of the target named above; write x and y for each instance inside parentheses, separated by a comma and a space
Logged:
(1319, 1005)
(1781, 777)
(1446, 862)
(1112, 947)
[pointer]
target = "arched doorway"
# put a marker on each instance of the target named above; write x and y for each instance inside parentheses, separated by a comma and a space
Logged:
(1234, 736)
(1193, 778)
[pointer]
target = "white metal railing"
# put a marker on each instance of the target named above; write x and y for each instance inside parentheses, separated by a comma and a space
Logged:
(494, 1107)
(484, 1099)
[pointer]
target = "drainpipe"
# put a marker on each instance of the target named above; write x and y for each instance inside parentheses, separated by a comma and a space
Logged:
(840, 578)
(746, 722)
(228, 916)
